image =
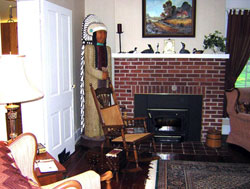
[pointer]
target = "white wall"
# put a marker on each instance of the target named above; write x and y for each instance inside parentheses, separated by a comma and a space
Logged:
(29, 44)
(129, 13)
(245, 4)
(105, 11)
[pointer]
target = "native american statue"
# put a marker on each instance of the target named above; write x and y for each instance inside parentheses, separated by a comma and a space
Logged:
(95, 69)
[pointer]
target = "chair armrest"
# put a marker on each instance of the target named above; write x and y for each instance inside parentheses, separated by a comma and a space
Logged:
(135, 118)
(137, 122)
(69, 184)
(114, 126)
(107, 176)
(23, 150)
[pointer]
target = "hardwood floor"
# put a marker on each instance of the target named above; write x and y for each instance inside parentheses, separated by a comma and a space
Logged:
(189, 151)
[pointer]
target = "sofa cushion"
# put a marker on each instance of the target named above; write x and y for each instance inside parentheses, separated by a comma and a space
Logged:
(10, 177)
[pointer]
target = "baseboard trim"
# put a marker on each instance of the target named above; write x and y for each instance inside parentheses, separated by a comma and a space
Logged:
(225, 126)
(77, 135)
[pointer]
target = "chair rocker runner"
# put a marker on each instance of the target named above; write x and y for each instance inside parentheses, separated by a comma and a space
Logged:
(130, 132)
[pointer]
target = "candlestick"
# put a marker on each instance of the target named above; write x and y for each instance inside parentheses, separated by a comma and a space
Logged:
(119, 31)
(119, 28)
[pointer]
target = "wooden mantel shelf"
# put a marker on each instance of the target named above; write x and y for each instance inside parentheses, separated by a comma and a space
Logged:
(147, 55)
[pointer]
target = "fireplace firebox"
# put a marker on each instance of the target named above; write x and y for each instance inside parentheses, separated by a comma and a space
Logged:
(171, 117)
(168, 125)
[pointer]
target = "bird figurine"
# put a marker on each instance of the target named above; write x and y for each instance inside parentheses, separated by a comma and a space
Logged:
(150, 50)
(195, 51)
(157, 52)
(183, 50)
(133, 51)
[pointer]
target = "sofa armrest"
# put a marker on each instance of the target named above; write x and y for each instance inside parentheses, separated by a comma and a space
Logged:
(241, 116)
(88, 179)
(231, 97)
(244, 94)
(69, 184)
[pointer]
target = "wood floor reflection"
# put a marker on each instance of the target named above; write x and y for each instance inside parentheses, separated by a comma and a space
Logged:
(188, 151)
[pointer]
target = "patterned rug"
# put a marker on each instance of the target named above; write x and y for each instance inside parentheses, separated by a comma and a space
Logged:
(203, 175)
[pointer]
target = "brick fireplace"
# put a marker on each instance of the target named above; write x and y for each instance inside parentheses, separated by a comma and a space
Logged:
(186, 74)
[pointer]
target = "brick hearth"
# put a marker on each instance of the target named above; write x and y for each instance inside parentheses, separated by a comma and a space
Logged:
(203, 76)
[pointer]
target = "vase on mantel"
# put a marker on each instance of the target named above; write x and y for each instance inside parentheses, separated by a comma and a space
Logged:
(214, 50)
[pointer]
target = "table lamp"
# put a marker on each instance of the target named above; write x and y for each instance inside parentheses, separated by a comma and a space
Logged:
(15, 87)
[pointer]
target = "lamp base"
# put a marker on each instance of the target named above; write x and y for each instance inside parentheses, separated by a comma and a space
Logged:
(12, 116)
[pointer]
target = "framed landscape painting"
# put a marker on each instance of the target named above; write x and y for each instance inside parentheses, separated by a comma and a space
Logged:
(168, 18)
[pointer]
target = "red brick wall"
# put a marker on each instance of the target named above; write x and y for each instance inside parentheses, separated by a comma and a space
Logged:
(158, 75)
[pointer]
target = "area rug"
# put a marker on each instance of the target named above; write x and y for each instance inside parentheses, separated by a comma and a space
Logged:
(205, 175)
(151, 179)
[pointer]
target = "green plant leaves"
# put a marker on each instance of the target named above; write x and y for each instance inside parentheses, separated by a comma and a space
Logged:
(215, 39)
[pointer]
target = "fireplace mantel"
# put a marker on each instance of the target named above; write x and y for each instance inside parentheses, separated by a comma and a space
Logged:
(148, 55)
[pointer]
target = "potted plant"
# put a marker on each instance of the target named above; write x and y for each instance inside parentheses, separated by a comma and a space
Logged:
(215, 41)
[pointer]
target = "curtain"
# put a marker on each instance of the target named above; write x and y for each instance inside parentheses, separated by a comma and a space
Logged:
(238, 45)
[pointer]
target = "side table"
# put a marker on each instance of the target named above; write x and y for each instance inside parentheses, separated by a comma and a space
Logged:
(49, 177)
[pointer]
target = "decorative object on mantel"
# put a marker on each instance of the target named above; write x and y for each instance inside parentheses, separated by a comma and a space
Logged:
(157, 47)
(168, 18)
(150, 50)
(215, 41)
(195, 51)
(119, 31)
(133, 51)
(168, 46)
(183, 50)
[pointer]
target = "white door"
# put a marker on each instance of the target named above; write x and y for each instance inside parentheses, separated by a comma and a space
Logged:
(57, 58)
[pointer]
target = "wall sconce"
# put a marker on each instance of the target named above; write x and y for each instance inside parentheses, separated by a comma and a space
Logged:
(15, 87)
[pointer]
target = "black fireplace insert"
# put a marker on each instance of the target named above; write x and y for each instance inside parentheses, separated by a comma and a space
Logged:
(171, 117)
(168, 125)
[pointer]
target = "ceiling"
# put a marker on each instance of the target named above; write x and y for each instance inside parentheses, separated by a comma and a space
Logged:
(4, 10)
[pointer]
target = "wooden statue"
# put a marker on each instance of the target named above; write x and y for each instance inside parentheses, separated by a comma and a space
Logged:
(97, 69)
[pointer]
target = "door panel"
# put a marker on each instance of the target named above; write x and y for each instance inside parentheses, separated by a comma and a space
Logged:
(55, 122)
(53, 53)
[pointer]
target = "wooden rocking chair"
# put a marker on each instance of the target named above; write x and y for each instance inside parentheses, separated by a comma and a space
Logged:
(130, 132)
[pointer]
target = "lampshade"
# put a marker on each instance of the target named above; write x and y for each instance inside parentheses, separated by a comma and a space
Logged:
(14, 84)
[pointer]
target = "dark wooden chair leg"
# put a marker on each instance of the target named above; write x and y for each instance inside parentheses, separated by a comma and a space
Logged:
(138, 168)
(136, 156)
(102, 155)
(153, 143)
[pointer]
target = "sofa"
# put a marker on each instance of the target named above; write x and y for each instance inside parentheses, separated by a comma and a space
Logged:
(17, 165)
(238, 109)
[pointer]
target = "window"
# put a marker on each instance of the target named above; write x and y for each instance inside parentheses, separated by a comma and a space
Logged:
(244, 78)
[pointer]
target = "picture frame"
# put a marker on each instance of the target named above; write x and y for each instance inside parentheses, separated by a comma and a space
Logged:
(168, 18)
(169, 46)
